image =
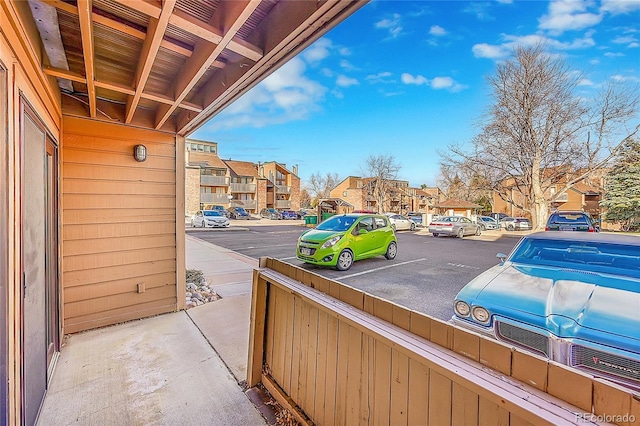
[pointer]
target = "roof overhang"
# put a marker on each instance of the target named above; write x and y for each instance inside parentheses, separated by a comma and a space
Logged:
(175, 64)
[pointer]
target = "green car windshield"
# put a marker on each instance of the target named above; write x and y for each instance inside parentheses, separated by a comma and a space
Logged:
(337, 223)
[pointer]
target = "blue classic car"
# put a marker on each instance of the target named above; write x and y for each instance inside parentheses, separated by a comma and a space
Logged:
(572, 297)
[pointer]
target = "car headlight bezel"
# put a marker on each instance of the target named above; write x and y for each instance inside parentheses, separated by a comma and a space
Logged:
(331, 241)
(481, 315)
(461, 311)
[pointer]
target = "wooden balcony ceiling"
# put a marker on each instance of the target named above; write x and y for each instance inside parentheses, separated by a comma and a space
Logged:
(172, 65)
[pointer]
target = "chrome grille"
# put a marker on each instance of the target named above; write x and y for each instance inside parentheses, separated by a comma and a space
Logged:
(521, 337)
(611, 364)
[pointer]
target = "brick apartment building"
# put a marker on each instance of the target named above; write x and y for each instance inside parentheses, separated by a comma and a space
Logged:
(209, 180)
(401, 198)
(583, 196)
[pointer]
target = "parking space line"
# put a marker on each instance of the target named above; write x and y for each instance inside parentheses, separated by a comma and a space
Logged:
(379, 269)
(460, 265)
(287, 258)
(261, 247)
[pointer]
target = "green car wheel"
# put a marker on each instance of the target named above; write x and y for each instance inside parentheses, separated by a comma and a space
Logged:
(392, 251)
(345, 260)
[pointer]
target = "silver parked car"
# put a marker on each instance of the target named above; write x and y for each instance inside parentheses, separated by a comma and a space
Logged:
(487, 222)
(212, 218)
(400, 222)
(457, 226)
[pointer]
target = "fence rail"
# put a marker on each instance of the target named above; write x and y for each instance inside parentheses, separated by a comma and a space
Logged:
(335, 355)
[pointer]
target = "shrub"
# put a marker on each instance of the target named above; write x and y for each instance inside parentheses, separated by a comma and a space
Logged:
(195, 276)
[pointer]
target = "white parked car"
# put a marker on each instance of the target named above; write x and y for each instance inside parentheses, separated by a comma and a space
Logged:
(400, 222)
(211, 218)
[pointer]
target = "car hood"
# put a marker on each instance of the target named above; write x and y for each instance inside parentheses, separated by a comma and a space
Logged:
(569, 303)
(318, 236)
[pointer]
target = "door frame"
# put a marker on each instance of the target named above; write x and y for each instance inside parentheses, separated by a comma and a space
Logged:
(4, 243)
(52, 258)
(52, 238)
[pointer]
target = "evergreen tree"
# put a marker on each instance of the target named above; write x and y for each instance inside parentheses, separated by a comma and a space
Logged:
(622, 185)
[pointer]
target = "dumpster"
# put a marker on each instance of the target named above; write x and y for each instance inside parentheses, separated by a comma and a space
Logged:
(310, 220)
(327, 215)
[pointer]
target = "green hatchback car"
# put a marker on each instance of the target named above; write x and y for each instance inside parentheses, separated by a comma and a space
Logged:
(342, 239)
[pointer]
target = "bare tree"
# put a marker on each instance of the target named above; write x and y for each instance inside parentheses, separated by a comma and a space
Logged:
(539, 133)
(305, 199)
(381, 172)
(320, 186)
(464, 183)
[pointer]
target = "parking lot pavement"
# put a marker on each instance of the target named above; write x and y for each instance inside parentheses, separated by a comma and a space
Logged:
(425, 276)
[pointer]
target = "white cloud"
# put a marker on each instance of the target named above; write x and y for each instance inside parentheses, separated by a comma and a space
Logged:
(346, 65)
(613, 54)
(585, 82)
(629, 40)
(344, 81)
(392, 25)
(437, 30)
(437, 83)
(619, 7)
(317, 51)
(418, 80)
(381, 77)
(484, 50)
(568, 15)
(500, 51)
(389, 22)
(622, 78)
(327, 72)
(442, 82)
(480, 10)
(286, 95)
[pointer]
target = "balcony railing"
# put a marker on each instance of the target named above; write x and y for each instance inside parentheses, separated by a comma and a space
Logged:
(214, 198)
(246, 188)
(207, 180)
(281, 189)
(283, 204)
(562, 198)
(247, 204)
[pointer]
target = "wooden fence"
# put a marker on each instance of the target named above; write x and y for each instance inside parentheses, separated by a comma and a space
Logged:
(334, 355)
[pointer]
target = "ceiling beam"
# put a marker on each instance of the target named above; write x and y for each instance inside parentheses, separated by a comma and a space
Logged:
(86, 29)
(124, 28)
(155, 33)
(196, 27)
(156, 97)
(214, 35)
(204, 54)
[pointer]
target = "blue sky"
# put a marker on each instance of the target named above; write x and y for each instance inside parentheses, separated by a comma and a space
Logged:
(407, 78)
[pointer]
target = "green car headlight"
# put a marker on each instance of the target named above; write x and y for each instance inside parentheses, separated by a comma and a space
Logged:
(331, 241)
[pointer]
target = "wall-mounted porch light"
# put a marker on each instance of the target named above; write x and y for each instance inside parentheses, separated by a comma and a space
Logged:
(140, 153)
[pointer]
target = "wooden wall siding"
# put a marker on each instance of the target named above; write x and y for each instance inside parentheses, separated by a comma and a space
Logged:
(119, 224)
(336, 355)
